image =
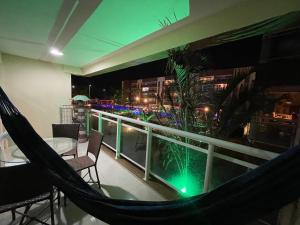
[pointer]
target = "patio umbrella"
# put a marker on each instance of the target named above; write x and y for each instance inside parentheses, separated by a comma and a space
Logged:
(80, 98)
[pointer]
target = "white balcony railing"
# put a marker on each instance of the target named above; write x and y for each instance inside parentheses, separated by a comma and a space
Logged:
(3, 137)
(113, 126)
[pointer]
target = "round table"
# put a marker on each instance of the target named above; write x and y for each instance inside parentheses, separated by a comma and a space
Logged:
(13, 155)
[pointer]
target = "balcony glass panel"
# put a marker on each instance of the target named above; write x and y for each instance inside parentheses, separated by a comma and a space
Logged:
(134, 145)
(224, 171)
(94, 122)
(109, 131)
(182, 167)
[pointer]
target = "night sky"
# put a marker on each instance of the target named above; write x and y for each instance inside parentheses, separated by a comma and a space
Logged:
(104, 85)
(239, 53)
(275, 60)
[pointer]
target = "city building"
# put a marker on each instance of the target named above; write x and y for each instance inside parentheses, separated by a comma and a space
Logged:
(156, 90)
(145, 91)
(280, 128)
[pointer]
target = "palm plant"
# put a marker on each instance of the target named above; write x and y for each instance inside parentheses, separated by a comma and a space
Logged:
(182, 68)
(230, 108)
(237, 103)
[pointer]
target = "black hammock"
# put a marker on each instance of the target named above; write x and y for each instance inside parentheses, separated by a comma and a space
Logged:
(239, 201)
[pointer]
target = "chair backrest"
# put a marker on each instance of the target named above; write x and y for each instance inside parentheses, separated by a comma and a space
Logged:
(95, 142)
(22, 182)
(66, 130)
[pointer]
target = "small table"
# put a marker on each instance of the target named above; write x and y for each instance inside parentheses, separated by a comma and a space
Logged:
(13, 155)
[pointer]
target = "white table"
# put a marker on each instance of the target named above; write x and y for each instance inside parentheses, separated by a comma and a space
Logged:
(13, 155)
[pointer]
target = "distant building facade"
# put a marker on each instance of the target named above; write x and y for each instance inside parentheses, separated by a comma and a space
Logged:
(147, 91)
(280, 128)
(155, 91)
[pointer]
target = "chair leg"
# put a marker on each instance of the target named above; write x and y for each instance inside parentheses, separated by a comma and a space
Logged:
(13, 214)
(24, 214)
(91, 178)
(51, 208)
(76, 153)
(98, 180)
(58, 197)
(65, 200)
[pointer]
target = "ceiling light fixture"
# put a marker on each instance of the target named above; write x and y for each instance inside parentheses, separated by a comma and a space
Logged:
(56, 52)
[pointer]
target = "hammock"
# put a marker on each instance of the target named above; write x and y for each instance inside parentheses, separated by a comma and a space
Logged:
(239, 201)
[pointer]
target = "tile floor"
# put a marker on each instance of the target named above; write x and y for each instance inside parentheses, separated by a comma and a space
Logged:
(116, 182)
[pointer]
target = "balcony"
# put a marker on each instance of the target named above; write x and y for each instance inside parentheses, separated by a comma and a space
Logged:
(140, 160)
(124, 182)
(130, 168)
(192, 167)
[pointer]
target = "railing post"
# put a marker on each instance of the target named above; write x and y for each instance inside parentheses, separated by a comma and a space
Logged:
(87, 122)
(60, 115)
(100, 123)
(118, 139)
(148, 153)
(208, 170)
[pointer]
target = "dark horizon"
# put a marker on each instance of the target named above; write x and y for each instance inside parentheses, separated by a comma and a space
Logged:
(254, 51)
(112, 81)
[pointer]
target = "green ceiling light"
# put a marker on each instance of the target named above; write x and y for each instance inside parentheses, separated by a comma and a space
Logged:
(117, 23)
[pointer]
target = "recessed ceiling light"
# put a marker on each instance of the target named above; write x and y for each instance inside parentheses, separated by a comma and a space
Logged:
(56, 52)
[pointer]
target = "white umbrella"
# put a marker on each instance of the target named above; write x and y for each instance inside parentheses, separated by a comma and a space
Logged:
(80, 98)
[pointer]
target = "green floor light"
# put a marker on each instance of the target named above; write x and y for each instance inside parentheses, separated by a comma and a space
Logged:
(183, 190)
(188, 185)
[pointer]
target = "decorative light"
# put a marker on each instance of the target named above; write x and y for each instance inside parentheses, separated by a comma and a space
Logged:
(56, 52)
(137, 98)
(145, 100)
(206, 109)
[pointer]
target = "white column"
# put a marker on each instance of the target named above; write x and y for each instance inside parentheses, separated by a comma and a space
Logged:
(100, 123)
(208, 170)
(148, 153)
(118, 139)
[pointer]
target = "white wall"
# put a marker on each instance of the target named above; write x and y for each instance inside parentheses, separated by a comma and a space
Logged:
(37, 89)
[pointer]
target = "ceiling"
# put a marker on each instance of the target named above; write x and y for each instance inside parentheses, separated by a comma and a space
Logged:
(97, 36)
(117, 23)
(84, 30)
(25, 25)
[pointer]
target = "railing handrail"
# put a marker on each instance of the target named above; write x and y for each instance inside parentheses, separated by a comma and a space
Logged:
(4, 135)
(251, 151)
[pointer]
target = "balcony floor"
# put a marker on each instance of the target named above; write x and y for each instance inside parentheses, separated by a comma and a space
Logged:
(119, 180)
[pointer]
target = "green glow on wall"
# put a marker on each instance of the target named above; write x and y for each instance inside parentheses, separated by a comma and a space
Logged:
(117, 23)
